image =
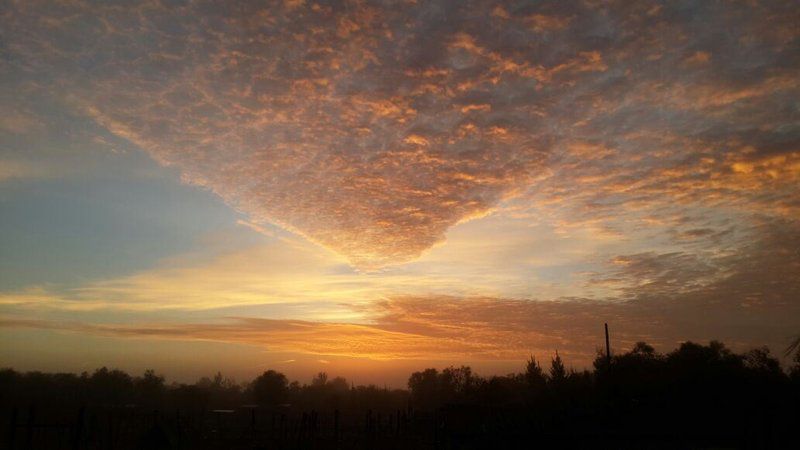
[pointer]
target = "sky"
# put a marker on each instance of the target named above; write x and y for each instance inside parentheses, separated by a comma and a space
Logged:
(369, 188)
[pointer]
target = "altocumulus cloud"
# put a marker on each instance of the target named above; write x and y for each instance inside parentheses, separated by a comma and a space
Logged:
(373, 127)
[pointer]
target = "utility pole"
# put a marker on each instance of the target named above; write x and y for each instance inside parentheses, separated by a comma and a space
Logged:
(608, 347)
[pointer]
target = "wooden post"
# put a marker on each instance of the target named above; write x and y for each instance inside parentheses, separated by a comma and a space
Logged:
(336, 425)
(12, 429)
(76, 438)
(608, 347)
(29, 433)
(301, 432)
(397, 430)
(178, 427)
(110, 432)
(436, 428)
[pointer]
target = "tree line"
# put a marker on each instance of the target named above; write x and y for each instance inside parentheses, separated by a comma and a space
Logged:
(695, 393)
(640, 373)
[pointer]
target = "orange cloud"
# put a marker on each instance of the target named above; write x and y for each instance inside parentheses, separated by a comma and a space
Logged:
(372, 131)
(699, 57)
(541, 22)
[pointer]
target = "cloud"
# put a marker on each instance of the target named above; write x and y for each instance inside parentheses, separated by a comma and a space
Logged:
(22, 170)
(466, 329)
(17, 122)
(635, 163)
(316, 338)
(745, 297)
(372, 129)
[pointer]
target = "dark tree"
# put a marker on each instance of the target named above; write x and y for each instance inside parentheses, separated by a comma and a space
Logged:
(149, 387)
(271, 388)
(705, 394)
(424, 387)
(111, 386)
(320, 380)
(456, 380)
(644, 349)
(794, 370)
(557, 371)
(534, 375)
(760, 361)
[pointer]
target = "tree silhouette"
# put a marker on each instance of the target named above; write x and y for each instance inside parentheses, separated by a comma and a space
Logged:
(704, 392)
(149, 387)
(534, 375)
(320, 379)
(794, 371)
(557, 371)
(111, 386)
(760, 361)
(643, 349)
(339, 384)
(270, 388)
(456, 380)
(424, 387)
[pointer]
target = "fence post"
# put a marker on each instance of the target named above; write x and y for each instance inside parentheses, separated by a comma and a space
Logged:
(110, 431)
(29, 432)
(12, 430)
(336, 425)
(436, 428)
(178, 427)
(76, 438)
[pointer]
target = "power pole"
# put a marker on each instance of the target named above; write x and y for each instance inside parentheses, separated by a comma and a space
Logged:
(608, 347)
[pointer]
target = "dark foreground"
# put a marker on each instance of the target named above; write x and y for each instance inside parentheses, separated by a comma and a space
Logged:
(696, 397)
